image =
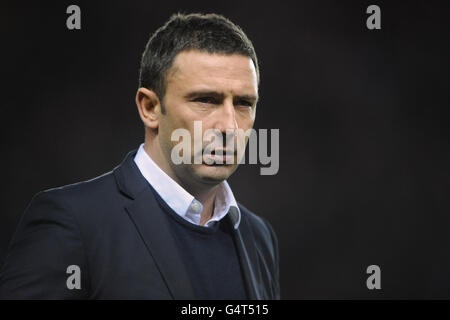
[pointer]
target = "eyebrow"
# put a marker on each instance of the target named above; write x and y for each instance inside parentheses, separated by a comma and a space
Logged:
(219, 95)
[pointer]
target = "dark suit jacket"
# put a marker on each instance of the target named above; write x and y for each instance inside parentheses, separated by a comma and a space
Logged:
(113, 229)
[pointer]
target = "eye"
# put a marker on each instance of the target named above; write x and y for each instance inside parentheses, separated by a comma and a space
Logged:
(205, 100)
(244, 103)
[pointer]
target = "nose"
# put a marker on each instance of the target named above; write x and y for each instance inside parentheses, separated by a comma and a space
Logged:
(226, 118)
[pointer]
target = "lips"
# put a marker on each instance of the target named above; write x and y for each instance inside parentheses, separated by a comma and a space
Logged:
(223, 152)
(221, 156)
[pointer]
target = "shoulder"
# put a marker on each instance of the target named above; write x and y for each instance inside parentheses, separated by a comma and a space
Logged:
(256, 221)
(78, 200)
(95, 189)
(259, 226)
(106, 180)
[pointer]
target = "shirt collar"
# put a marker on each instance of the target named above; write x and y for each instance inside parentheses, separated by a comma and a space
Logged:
(181, 201)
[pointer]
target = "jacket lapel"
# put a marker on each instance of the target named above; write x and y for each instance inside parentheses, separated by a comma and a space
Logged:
(244, 240)
(152, 226)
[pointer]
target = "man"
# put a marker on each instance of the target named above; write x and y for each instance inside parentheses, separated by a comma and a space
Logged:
(153, 229)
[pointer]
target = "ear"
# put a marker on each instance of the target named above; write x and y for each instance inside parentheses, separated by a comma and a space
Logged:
(149, 107)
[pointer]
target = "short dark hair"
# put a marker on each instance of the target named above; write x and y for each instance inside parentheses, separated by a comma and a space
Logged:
(211, 33)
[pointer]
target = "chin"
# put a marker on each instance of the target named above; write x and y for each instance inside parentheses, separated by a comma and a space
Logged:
(214, 174)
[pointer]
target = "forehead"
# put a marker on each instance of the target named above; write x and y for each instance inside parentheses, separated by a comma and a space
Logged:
(202, 70)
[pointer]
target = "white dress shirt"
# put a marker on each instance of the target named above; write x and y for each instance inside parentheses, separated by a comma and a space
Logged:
(181, 201)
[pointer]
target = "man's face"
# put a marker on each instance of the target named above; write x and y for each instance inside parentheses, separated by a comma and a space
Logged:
(219, 90)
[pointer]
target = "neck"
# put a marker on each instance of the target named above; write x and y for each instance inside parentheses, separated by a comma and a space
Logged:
(206, 194)
(207, 199)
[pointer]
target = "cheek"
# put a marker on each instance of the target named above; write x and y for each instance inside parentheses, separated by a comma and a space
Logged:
(167, 126)
(246, 123)
(172, 120)
(246, 116)
(181, 116)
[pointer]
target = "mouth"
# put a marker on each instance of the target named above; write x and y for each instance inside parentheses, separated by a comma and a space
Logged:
(220, 157)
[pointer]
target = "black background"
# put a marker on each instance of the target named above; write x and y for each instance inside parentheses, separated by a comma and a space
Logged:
(364, 136)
